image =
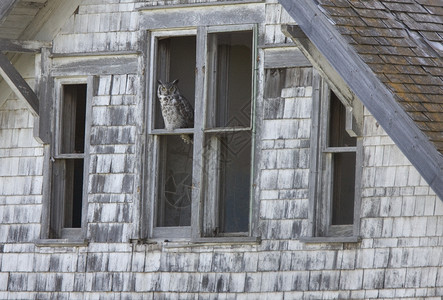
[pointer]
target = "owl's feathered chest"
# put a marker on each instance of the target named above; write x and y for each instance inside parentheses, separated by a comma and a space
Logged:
(176, 111)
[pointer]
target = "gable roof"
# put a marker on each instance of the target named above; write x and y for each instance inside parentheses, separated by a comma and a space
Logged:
(389, 54)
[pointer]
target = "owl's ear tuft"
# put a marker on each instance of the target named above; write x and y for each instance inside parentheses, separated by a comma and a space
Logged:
(159, 82)
(175, 81)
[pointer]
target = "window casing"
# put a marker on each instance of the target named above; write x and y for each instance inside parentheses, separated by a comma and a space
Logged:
(203, 189)
(69, 174)
(336, 160)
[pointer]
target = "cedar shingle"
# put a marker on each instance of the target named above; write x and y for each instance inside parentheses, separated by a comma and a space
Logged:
(372, 13)
(436, 135)
(425, 89)
(420, 61)
(435, 126)
(384, 68)
(416, 70)
(419, 116)
(371, 58)
(380, 32)
(350, 21)
(398, 87)
(340, 11)
(399, 78)
(435, 116)
(414, 106)
(427, 80)
(433, 107)
(394, 59)
(396, 42)
(395, 6)
(374, 22)
(395, 50)
(434, 71)
(430, 2)
(364, 40)
(426, 18)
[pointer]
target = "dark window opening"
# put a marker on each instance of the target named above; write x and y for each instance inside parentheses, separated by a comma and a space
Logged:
(235, 167)
(73, 118)
(343, 165)
(175, 186)
(230, 56)
(343, 188)
(229, 152)
(68, 168)
(73, 193)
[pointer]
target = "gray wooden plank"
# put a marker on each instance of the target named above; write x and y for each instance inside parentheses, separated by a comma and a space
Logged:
(197, 15)
(368, 88)
(30, 46)
(200, 110)
(92, 83)
(314, 154)
(287, 57)
(46, 193)
(108, 65)
(43, 87)
(18, 84)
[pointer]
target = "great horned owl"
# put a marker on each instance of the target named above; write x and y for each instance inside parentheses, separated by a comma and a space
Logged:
(176, 110)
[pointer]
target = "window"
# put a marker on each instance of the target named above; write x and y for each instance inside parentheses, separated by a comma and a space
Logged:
(67, 185)
(203, 188)
(335, 169)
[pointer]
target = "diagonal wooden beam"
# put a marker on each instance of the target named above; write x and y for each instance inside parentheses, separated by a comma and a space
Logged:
(23, 46)
(5, 8)
(18, 85)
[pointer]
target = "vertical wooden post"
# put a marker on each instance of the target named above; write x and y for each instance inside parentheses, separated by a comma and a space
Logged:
(42, 124)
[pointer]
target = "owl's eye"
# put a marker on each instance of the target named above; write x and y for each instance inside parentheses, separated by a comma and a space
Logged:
(172, 89)
(163, 89)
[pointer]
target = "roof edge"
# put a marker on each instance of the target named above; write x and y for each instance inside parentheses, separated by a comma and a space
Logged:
(5, 8)
(382, 104)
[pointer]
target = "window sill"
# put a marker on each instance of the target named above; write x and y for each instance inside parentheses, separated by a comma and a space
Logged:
(228, 240)
(198, 242)
(330, 239)
(61, 243)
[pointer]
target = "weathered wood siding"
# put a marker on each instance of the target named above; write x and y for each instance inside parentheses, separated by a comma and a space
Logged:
(21, 175)
(400, 254)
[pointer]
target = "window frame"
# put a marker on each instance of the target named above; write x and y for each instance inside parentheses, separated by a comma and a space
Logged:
(320, 228)
(57, 228)
(199, 221)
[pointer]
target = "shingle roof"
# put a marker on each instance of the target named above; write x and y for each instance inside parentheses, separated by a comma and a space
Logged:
(402, 42)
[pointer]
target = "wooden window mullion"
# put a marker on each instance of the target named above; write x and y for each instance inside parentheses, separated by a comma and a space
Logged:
(199, 126)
